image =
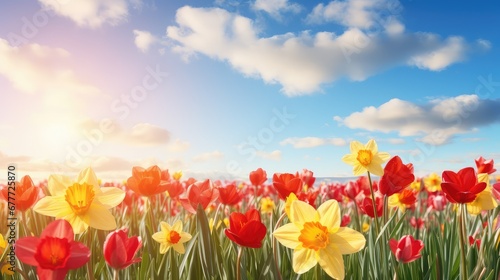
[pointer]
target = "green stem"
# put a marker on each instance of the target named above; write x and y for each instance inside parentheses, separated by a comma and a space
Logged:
(377, 227)
(275, 251)
(115, 274)
(90, 268)
(238, 262)
(463, 240)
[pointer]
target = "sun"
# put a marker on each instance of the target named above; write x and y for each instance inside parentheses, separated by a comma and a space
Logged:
(57, 135)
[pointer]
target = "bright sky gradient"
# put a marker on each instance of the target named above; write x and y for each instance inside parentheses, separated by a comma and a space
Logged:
(219, 88)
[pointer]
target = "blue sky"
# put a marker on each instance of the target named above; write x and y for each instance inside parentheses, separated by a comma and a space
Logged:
(220, 88)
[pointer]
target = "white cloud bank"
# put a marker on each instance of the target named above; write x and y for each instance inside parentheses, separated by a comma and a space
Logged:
(90, 13)
(301, 62)
(276, 7)
(311, 142)
(436, 122)
(144, 40)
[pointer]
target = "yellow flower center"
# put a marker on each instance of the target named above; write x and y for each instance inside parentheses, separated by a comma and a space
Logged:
(80, 197)
(314, 236)
(364, 157)
(173, 237)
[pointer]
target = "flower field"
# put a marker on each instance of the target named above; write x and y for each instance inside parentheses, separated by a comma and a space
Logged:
(387, 224)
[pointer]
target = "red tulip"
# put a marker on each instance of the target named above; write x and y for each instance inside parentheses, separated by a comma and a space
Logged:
(417, 223)
(202, 193)
(246, 230)
(461, 187)
(407, 249)
(26, 193)
(229, 195)
(258, 177)
(473, 241)
(366, 206)
(147, 182)
(397, 176)
(346, 220)
(496, 190)
(352, 190)
(308, 178)
(119, 249)
(485, 166)
(54, 252)
(287, 183)
(175, 189)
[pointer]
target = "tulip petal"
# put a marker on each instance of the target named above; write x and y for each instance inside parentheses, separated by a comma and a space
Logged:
(329, 213)
(347, 241)
(26, 248)
(79, 256)
(115, 252)
(303, 260)
(59, 229)
(58, 274)
(332, 263)
(111, 196)
(288, 235)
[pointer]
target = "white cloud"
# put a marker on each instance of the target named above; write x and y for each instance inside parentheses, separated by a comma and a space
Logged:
(215, 155)
(45, 68)
(178, 146)
(143, 40)
(90, 13)
(311, 142)
(141, 134)
(302, 62)
(276, 7)
(436, 122)
(274, 155)
(363, 14)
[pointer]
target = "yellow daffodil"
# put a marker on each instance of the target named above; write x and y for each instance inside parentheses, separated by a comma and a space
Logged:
(291, 198)
(3, 244)
(432, 183)
(317, 238)
(403, 200)
(266, 205)
(81, 202)
(365, 158)
(177, 175)
(484, 200)
(366, 227)
(172, 236)
(7, 269)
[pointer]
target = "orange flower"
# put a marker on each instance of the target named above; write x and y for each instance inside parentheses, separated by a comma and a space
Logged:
(287, 183)
(147, 182)
(258, 177)
(202, 193)
(26, 193)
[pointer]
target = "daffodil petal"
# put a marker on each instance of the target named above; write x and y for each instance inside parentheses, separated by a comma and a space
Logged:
(57, 184)
(350, 159)
(384, 156)
(164, 248)
(347, 241)
(329, 214)
(87, 176)
(165, 227)
(303, 260)
(358, 169)
(184, 237)
(288, 235)
(160, 236)
(302, 212)
(99, 217)
(77, 223)
(355, 146)
(111, 196)
(179, 248)
(177, 226)
(332, 263)
(53, 206)
(372, 146)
